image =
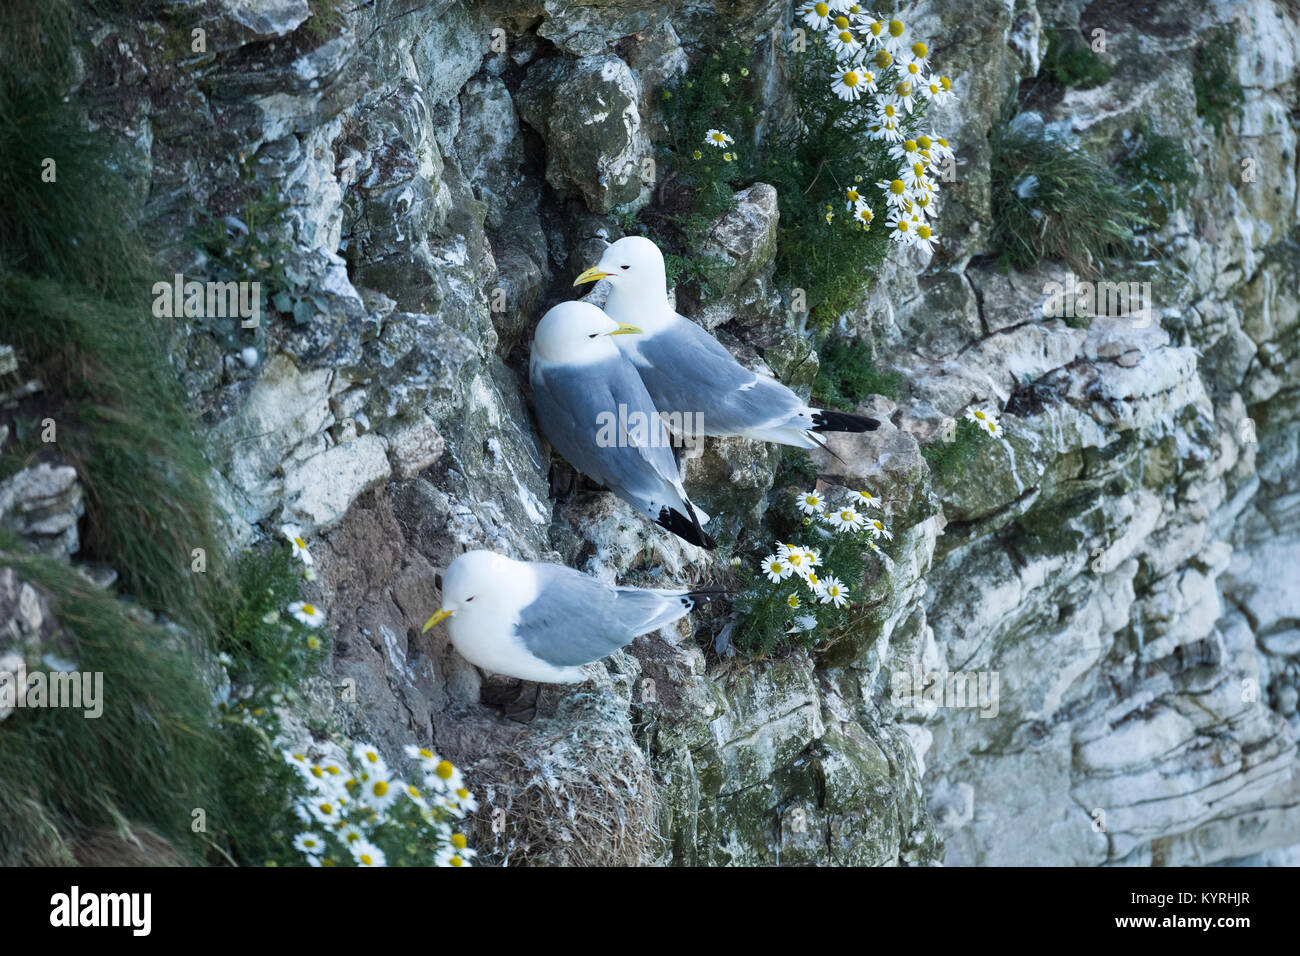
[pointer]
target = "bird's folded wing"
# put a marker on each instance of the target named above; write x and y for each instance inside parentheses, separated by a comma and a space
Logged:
(691, 371)
(574, 620)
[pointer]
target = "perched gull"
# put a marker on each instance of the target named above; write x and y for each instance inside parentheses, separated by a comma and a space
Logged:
(541, 622)
(688, 373)
(594, 409)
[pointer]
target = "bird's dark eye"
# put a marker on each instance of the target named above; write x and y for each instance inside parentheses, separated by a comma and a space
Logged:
(592, 335)
(625, 267)
(468, 599)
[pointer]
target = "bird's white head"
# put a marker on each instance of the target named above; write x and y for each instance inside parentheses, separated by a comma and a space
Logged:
(576, 332)
(476, 580)
(634, 268)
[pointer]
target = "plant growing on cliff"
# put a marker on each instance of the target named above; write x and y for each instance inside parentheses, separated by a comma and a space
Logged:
(951, 455)
(1158, 170)
(1071, 62)
(847, 375)
(357, 812)
(799, 593)
(857, 174)
(1218, 94)
(1051, 200)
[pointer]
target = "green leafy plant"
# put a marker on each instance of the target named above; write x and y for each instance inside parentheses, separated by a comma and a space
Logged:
(847, 375)
(950, 460)
(1070, 61)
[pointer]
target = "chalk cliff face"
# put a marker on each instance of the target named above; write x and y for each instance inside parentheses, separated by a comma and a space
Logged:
(1124, 566)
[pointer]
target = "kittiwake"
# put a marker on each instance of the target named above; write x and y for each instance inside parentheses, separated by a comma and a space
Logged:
(542, 622)
(690, 376)
(594, 409)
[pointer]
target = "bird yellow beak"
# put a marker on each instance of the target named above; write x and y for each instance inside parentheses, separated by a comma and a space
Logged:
(625, 329)
(591, 275)
(435, 619)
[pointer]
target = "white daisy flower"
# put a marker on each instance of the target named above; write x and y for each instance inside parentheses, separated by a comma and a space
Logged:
(367, 854)
(370, 759)
(776, 569)
(814, 556)
(814, 582)
(901, 226)
(834, 592)
(895, 37)
(792, 601)
(845, 519)
(908, 152)
(816, 15)
(325, 810)
(312, 844)
(811, 503)
(872, 28)
(350, 833)
(923, 236)
(907, 90)
(895, 192)
(378, 792)
(843, 42)
(918, 53)
(797, 558)
(464, 800)
(877, 529)
(866, 498)
(993, 428)
(914, 177)
(979, 417)
(864, 215)
(716, 137)
(299, 544)
(308, 614)
(847, 82)
(444, 778)
(853, 199)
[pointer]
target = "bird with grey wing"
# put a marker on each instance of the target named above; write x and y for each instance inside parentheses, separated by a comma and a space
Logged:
(542, 622)
(689, 374)
(593, 408)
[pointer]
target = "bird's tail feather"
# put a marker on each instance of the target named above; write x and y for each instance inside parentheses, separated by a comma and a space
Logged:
(825, 420)
(685, 526)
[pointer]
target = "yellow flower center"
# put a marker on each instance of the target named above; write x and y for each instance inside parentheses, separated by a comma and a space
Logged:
(851, 194)
(846, 37)
(865, 215)
(923, 232)
(923, 142)
(775, 567)
(980, 416)
(846, 515)
(897, 187)
(842, 23)
(918, 169)
(309, 610)
(896, 28)
(792, 600)
(458, 841)
(380, 788)
(902, 225)
(919, 50)
(909, 145)
(366, 859)
(822, 9)
(883, 59)
(718, 137)
(457, 861)
(316, 772)
(299, 542)
(876, 28)
(903, 88)
(947, 85)
(445, 770)
(463, 793)
(850, 79)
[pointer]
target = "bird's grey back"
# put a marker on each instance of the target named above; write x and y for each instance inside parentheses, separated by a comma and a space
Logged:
(686, 370)
(570, 399)
(576, 619)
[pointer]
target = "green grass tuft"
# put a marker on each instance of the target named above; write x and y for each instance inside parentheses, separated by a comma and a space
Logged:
(1158, 170)
(1051, 200)
(148, 759)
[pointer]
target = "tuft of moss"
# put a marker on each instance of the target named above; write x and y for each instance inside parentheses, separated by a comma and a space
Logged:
(1051, 200)
(1070, 61)
(847, 375)
(1218, 94)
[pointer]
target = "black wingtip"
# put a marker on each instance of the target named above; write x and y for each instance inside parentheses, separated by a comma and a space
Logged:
(825, 420)
(688, 529)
